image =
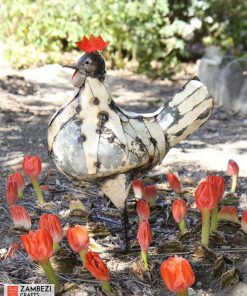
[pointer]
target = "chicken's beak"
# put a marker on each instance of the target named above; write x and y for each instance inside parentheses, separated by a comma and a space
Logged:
(73, 66)
(78, 77)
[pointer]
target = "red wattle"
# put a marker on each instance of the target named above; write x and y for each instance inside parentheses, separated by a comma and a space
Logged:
(74, 73)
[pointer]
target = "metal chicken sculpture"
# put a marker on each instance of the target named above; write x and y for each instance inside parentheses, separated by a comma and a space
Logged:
(91, 138)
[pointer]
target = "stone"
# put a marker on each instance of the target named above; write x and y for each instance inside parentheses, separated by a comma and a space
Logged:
(226, 79)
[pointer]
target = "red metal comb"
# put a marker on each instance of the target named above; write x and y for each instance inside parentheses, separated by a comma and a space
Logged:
(92, 44)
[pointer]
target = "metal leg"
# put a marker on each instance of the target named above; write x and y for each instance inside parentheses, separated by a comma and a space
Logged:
(125, 226)
(117, 190)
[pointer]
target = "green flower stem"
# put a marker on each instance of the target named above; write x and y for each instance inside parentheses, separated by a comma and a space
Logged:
(106, 287)
(55, 246)
(182, 226)
(234, 183)
(20, 194)
(205, 226)
(152, 203)
(37, 189)
(82, 255)
(214, 219)
(50, 273)
(144, 259)
(183, 293)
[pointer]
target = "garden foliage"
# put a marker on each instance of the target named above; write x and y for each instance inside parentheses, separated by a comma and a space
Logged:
(156, 34)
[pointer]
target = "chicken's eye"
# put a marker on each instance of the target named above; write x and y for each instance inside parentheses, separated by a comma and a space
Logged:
(88, 62)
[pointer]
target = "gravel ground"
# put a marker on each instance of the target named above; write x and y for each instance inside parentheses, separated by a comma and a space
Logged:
(27, 101)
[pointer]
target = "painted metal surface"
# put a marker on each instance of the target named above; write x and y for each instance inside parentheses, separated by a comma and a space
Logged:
(92, 139)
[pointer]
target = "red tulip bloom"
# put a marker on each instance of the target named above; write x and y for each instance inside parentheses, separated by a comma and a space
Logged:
(32, 166)
(38, 244)
(144, 235)
(78, 238)
(19, 180)
(244, 221)
(206, 198)
(174, 182)
(232, 167)
(150, 194)
(142, 209)
(219, 183)
(20, 216)
(52, 224)
(233, 170)
(96, 266)
(12, 192)
(179, 210)
(206, 195)
(177, 274)
(228, 213)
(138, 187)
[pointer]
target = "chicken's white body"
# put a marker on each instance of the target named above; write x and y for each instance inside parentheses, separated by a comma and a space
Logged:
(92, 139)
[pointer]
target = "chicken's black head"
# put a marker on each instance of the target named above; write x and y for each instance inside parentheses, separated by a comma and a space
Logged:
(90, 64)
(93, 64)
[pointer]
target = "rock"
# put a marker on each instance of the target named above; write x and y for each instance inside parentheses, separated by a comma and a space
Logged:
(226, 79)
(243, 93)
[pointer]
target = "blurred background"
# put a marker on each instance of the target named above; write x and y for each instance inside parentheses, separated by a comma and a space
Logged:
(149, 36)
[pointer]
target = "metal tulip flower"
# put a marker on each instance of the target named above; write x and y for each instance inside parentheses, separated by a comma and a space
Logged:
(19, 180)
(32, 167)
(143, 210)
(38, 245)
(20, 216)
(91, 138)
(78, 240)
(52, 224)
(179, 212)
(11, 192)
(96, 266)
(145, 238)
(178, 275)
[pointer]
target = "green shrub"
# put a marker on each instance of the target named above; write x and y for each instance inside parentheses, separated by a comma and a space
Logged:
(224, 23)
(36, 32)
(153, 33)
(33, 28)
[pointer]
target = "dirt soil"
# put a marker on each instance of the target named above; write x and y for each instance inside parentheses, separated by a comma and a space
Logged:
(29, 98)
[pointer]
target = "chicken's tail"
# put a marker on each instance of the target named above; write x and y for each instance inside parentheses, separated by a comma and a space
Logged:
(190, 108)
